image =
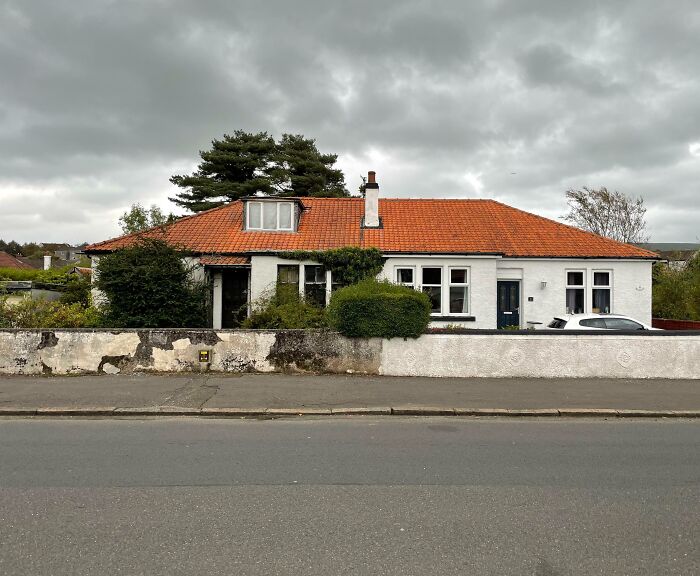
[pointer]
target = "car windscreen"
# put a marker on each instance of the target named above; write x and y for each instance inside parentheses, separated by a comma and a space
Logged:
(557, 323)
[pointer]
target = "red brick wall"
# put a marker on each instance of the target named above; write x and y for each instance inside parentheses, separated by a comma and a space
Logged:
(665, 324)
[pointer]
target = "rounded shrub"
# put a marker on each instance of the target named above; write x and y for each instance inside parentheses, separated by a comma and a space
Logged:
(379, 309)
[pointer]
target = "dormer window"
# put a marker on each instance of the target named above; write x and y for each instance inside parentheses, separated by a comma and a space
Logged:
(269, 215)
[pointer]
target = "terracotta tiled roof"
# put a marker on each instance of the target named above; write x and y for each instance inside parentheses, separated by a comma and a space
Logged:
(9, 261)
(225, 260)
(408, 226)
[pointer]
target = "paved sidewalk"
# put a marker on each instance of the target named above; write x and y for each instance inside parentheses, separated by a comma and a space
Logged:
(280, 394)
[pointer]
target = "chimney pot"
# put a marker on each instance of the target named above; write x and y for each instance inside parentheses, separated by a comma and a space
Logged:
(370, 176)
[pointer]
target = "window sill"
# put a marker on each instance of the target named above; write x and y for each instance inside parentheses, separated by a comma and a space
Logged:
(439, 318)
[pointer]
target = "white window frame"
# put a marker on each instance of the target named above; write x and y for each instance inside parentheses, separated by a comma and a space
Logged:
(466, 284)
(575, 287)
(262, 217)
(396, 276)
(441, 286)
(608, 287)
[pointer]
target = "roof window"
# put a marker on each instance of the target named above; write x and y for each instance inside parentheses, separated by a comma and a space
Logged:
(270, 215)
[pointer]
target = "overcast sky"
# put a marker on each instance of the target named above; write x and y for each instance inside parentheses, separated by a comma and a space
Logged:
(102, 101)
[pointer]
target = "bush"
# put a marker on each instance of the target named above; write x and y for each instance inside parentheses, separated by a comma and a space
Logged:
(379, 309)
(148, 285)
(41, 313)
(77, 291)
(285, 309)
(676, 293)
(51, 276)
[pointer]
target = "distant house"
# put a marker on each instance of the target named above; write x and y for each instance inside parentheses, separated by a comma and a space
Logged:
(10, 261)
(483, 264)
(68, 253)
(676, 254)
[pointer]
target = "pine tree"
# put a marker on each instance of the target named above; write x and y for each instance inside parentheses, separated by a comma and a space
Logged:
(245, 164)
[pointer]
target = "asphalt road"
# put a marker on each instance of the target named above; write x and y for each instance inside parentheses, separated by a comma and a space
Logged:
(349, 496)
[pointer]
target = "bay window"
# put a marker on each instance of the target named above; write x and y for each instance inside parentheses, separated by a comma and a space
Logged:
(432, 286)
(288, 281)
(315, 284)
(459, 291)
(602, 288)
(405, 276)
(575, 291)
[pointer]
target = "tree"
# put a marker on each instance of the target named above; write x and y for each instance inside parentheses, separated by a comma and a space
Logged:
(138, 218)
(676, 292)
(148, 285)
(244, 164)
(299, 169)
(606, 213)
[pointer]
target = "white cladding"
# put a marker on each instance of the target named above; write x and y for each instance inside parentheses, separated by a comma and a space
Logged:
(542, 284)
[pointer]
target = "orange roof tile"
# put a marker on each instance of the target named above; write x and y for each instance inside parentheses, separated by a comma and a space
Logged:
(216, 260)
(434, 226)
(9, 261)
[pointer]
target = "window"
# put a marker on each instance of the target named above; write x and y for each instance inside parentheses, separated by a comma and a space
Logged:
(622, 324)
(593, 323)
(288, 274)
(432, 286)
(459, 291)
(287, 281)
(254, 215)
(601, 292)
(406, 277)
(270, 216)
(315, 284)
(575, 292)
(285, 215)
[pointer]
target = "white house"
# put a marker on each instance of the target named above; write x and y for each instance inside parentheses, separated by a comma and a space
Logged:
(483, 264)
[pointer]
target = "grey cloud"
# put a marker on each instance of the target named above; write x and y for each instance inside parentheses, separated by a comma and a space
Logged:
(102, 101)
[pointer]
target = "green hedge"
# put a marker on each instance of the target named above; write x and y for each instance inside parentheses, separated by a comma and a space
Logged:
(379, 309)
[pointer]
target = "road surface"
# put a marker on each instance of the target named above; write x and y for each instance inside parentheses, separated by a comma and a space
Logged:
(349, 496)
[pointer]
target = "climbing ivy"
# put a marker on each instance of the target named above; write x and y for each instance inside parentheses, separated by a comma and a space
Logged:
(348, 265)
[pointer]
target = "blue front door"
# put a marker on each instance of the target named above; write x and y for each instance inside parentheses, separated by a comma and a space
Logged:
(508, 303)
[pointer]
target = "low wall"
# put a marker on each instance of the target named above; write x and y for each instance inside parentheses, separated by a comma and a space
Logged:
(477, 354)
(667, 324)
(124, 351)
(544, 356)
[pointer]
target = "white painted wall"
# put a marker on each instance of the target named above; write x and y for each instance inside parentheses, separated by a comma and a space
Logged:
(631, 286)
(505, 355)
(482, 285)
(263, 276)
(543, 356)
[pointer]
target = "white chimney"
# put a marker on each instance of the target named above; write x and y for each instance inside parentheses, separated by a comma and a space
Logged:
(371, 202)
(47, 262)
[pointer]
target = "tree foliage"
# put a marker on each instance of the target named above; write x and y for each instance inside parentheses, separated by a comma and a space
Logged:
(149, 285)
(244, 164)
(607, 213)
(676, 293)
(348, 265)
(138, 218)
